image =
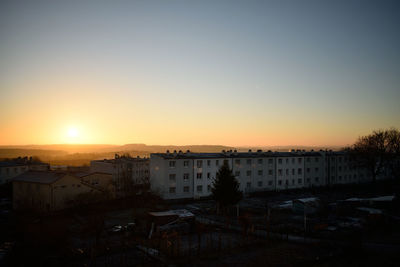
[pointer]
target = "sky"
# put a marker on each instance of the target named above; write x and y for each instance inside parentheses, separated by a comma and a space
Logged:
(239, 73)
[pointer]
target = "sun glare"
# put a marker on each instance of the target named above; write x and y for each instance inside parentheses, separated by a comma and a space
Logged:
(73, 132)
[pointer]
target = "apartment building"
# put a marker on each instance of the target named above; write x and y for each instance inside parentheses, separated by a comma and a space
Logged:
(14, 167)
(125, 171)
(180, 174)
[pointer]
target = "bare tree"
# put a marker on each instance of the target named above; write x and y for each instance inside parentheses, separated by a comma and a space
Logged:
(377, 152)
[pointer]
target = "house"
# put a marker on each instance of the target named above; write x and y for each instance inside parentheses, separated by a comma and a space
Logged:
(50, 190)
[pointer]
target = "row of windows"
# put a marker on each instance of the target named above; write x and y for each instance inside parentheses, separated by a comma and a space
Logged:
(172, 176)
(299, 171)
(299, 181)
(186, 189)
(199, 163)
(7, 170)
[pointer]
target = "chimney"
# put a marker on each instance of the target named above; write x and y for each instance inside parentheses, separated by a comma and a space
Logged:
(259, 151)
(249, 150)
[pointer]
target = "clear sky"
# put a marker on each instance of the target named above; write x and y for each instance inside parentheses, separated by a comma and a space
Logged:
(198, 72)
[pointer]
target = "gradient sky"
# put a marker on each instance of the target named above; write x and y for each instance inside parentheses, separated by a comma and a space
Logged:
(198, 72)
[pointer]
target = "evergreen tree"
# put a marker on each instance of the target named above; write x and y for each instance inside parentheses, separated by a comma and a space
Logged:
(225, 187)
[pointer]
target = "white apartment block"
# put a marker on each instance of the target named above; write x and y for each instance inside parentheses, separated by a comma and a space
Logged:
(182, 175)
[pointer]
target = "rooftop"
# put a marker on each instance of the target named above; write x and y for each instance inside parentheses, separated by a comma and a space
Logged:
(42, 177)
(234, 154)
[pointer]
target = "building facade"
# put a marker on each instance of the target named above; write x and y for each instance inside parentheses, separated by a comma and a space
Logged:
(181, 175)
(126, 171)
(12, 168)
(46, 191)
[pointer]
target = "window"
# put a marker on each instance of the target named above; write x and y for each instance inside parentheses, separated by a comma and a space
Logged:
(248, 173)
(208, 175)
(280, 172)
(186, 189)
(317, 179)
(248, 184)
(287, 182)
(340, 178)
(279, 161)
(226, 161)
(308, 170)
(293, 160)
(270, 161)
(316, 169)
(217, 163)
(260, 172)
(186, 163)
(249, 162)
(270, 172)
(292, 181)
(308, 180)
(316, 159)
(185, 177)
(287, 161)
(279, 182)
(269, 182)
(299, 171)
(199, 163)
(172, 177)
(208, 163)
(299, 181)
(199, 175)
(237, 173)
(237, 161)
(260, 161)
(199, 188)
(299, 160)
(172, 190)
(340, 159)
(308, 159)
(340, 168)
(172, 164)
(293, 171)
(287, 171)
(208, 188)
(259, 183)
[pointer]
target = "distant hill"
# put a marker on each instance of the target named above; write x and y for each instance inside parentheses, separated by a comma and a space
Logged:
(75, 155)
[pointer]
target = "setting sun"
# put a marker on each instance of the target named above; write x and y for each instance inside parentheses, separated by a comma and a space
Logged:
(73, 132)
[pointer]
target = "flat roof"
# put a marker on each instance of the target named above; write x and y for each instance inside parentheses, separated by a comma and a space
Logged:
(42, 177)
(191, 155)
